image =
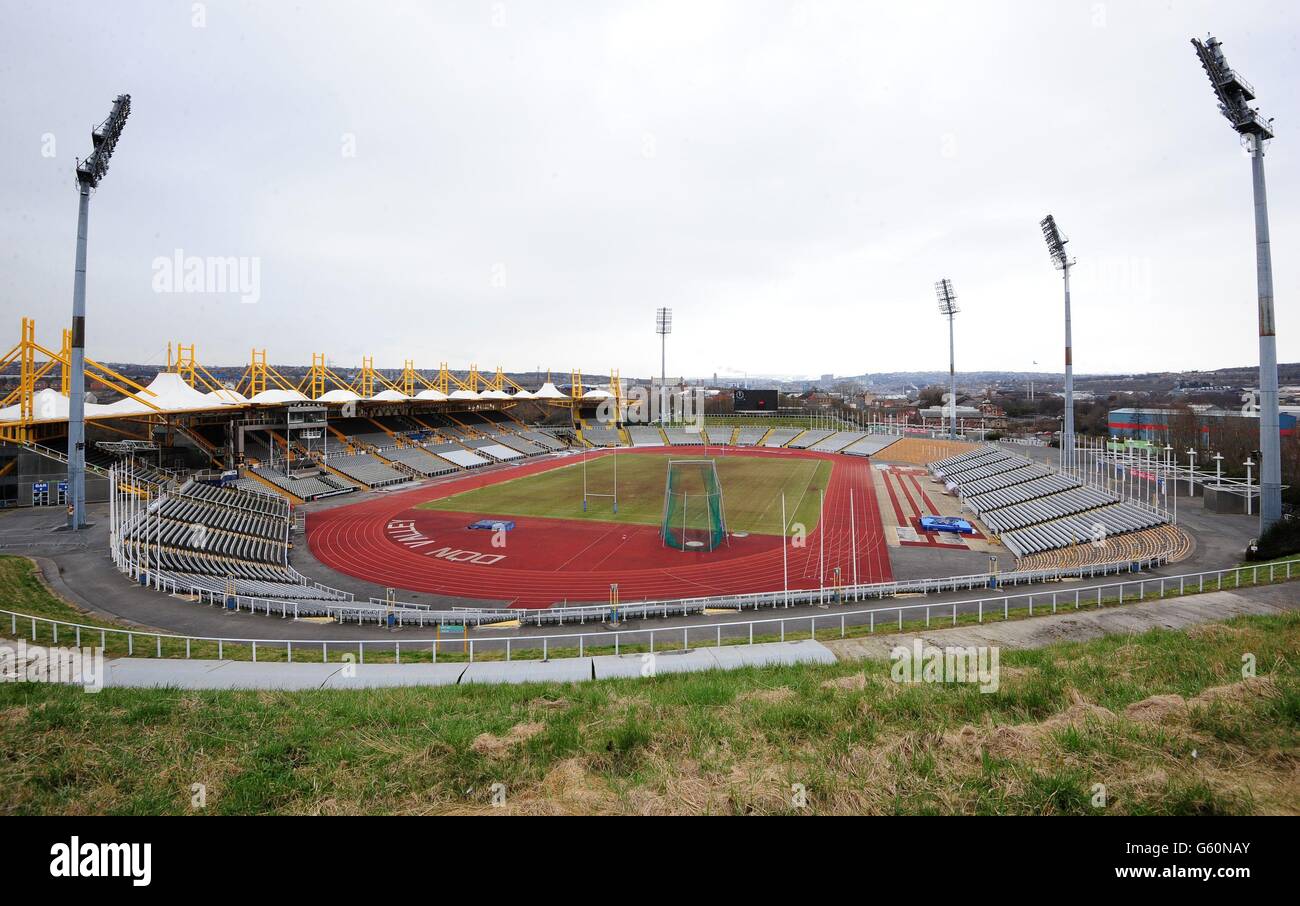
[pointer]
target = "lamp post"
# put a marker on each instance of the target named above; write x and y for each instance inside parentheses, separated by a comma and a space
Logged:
(89, 173)
(1062, 262)
(1234, 94)
(948, 308)
(1249, 464)
(663, 327)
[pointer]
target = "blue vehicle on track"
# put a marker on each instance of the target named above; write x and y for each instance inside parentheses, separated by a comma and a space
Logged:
(947, 524)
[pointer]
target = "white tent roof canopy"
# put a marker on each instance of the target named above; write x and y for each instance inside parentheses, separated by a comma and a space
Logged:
(549, 391)
(337, 395)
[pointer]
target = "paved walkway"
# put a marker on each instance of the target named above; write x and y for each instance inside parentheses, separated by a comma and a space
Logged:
(1035, 632)
(1084, 624)
(211, 674)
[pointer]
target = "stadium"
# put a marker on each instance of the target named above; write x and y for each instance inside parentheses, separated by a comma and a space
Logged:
(433, 499)
(311, 557)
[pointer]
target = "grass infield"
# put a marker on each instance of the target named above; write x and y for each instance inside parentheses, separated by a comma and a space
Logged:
(751, 491)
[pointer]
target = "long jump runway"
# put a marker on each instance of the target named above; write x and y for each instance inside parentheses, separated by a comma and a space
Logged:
(546, 561)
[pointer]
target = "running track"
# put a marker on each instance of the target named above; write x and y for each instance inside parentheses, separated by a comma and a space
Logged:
(390, 543)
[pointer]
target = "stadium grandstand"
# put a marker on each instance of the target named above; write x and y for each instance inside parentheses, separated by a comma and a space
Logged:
(1032, 509)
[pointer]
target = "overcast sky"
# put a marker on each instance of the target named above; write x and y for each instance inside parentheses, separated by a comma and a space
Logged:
(523, 183)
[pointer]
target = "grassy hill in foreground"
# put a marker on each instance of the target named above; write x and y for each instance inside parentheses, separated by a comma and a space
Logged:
(1164, 720)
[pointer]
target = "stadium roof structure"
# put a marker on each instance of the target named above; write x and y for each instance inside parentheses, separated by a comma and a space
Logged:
(338, 395)
(549, 391)
(185, 386)
(166, 393)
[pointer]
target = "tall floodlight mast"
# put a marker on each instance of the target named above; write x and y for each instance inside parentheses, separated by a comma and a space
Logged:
(1056, 249)
(663, 327)
(948, 308)
(89, 173)
(1234, 93)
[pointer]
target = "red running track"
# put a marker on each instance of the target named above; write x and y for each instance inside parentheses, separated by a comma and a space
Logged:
(389, 542)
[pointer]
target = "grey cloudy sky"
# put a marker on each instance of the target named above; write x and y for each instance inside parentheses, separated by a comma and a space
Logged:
(531, 179)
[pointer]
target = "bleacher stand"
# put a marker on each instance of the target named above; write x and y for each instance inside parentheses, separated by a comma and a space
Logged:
(749, 436)
(684, 437)
(223, 539)
(645, 436)
(601, 436)
(1034, 509)
(367, 469)
(459, 456)
(870, 445)
(809, 438)
(781, 436)
(837, 441)
(419, 460)
(311, 485)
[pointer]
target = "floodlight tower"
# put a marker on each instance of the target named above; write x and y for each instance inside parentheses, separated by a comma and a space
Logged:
(89, 173)
(1056, 249)
(1234, 93)
(948, 308)
(663, 327)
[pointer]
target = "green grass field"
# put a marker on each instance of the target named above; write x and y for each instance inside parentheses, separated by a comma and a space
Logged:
(1164, 719)
(751, 489)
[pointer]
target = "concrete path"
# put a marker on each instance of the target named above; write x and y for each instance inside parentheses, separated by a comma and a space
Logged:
(1084, 624)
(212, 674)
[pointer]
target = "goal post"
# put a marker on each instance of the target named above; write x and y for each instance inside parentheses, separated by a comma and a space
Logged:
(588, 493)
(694, 517)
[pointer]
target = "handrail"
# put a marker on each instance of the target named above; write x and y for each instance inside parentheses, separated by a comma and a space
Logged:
(602, 638)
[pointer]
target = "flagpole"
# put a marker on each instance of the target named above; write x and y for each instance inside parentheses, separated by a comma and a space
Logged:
(853, 536)
(785, 567)
(821, 551)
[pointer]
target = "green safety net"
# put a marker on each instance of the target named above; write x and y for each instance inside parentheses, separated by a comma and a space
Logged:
(693, 517)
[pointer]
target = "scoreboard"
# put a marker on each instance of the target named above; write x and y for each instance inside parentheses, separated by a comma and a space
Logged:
(754, 401)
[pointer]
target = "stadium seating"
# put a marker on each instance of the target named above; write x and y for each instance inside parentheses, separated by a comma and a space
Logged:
(837, 441)
(749, 436)
(307, 486)
(781, 436)
(683, 437)
(601, 436)
(219, 540)
(542, 439)
(645, 436)
(1033, 509)
(461, 457)
(870, 445)
(809, 438)
(720, 435)
(367, 469)
(419, 460)
(519, 444)
(1162, 541)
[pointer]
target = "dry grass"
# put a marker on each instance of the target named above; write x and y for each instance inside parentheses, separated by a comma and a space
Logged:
(1164, 720)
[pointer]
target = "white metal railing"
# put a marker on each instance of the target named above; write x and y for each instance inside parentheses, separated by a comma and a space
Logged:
(581, 644)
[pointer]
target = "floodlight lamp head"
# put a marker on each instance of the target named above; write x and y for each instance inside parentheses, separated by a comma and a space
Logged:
(664, 321)
(947, 298)
(1055, 243)
(104, 137)
(1232, 91)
